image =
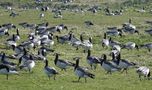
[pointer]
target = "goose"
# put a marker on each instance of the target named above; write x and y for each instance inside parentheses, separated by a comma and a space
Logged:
(62, 64)
(143, 71)
(92, 60)
(17, 36)
(129, 28)
(4, 69)
(131, 45)
(88, 23)
(9, 26)
(75, 42)
(149, 32)
(43, 51)
(115, 52)
(107, 66)
(18, 49)
(124, 64)
(11, 42)
(61, 27)
(147, 45)
(81, 72)
(6, 62)
(28, 44)
(112, 43)
(4, 31)
(29, 63)
(48, 41)
(65, 38)
(86, 44)
(105, 41)
(114, 32)
(50, 71)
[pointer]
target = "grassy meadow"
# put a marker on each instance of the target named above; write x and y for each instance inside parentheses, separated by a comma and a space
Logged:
(75, 22)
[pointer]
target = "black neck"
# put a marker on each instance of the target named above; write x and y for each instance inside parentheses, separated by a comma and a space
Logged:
(56, 58)
(89, 53)
(81, 38)
(77, 64)
(17, 32)
(105, 36)
(46, 63)
(13, 37)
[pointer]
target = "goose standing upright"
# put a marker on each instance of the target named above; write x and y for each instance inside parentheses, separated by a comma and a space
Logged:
(29, 63)
(4, 69)
(107, 66)
(62, 64)
(82, 73)
(92, 61)
(124, 64)
(50, 71)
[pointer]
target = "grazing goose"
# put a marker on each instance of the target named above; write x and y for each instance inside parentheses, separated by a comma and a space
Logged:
(149, 32)
(105, 41)
(92, 61)
(88, 23)
(4, 69)
(147, 45)
(49, 71)
(112, 42)
(143, 71)
(114, 32)
(124, 64)
(81, 72)
(65, 38)
(28, 44)
(107, 66)
(131, 45)
(29, 63)
(129, 28)
(62, 64)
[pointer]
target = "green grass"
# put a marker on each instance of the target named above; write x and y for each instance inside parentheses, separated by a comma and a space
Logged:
(65, 80)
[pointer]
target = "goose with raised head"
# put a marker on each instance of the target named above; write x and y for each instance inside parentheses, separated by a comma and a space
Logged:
(62, 64)
(4, 61)
(4, 69)
(28, 64)
(105, 41)
(92, 60)
(11, 41)
(50, 71)
(86, 44)
(107, 66)
(81, 72)
(124, 64)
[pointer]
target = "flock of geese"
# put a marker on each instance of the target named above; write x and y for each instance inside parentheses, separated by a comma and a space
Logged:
(42, 39)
